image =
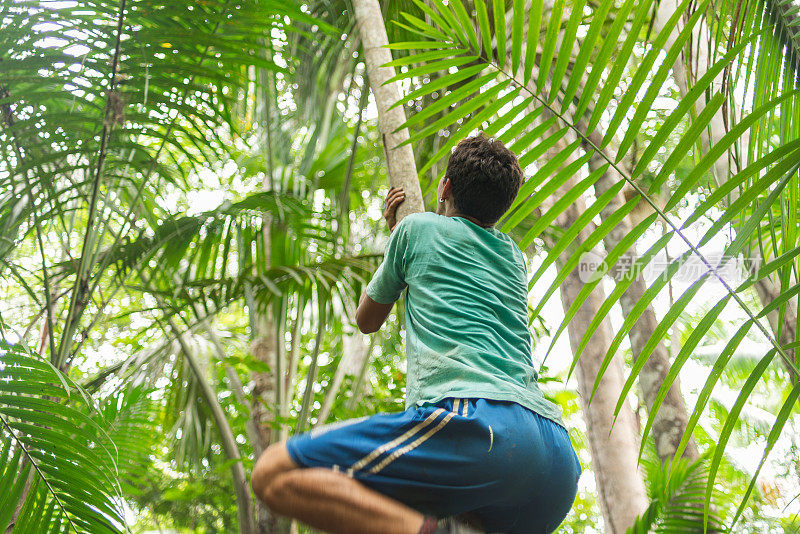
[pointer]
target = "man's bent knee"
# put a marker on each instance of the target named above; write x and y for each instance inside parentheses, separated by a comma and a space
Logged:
(273, 462)
(279, 493)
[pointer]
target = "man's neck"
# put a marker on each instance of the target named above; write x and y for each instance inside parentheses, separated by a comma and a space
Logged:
(448, 209)
(455, 213)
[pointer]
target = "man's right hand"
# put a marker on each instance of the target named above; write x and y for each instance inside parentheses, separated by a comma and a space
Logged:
(394, 198)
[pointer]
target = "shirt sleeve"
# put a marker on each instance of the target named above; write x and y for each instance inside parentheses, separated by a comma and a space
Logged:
(520, 257)
(388, 282)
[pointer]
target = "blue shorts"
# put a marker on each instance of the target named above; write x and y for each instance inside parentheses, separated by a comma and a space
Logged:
(515, 470)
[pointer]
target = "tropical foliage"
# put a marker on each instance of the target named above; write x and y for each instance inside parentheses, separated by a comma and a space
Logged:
(56, 450)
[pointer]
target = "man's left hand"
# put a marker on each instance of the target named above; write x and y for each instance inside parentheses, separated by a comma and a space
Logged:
(394, 198)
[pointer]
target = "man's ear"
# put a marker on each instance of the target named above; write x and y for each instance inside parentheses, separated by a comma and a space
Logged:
(447, 188)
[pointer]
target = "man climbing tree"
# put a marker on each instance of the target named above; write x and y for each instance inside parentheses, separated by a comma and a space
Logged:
(477, 435)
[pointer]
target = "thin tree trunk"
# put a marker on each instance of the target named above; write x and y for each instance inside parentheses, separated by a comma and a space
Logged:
(311, 375)
(671, 420)
(263, 348)
(400, 162)
(360, 374)
(614, 451)
(265, 343)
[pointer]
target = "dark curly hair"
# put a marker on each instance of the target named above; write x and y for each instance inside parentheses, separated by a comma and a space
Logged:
(486, 178)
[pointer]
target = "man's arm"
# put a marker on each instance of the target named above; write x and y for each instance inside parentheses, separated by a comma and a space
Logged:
(371, 315)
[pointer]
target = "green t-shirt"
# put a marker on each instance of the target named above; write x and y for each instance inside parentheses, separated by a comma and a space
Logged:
(466, 312)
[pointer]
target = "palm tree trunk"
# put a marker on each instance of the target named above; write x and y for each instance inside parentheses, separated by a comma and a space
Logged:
(361, 382)
(266, 336)
(291, 367)
(400, 163)
(263, 347)
(614, 450)
(671, 420)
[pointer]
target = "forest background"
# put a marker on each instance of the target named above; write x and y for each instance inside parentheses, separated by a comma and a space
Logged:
(190, 206)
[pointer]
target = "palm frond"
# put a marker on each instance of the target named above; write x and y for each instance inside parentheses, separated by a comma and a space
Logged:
(207, 237)
(132, 419)
(676, 494)
(59, 463)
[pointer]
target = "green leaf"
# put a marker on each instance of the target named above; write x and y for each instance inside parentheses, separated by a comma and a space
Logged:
(564, 56)
(426, 28)
(711, 380)
(516, 34)
(63, 447)
(608, 224)
(466, 23)
(608, 262)
(483, 23)
(447, 15)
(727, 428)
(553, 27)
(468, 126)
(684, 106)
(612, 81)
(644, 71)
(437, 18)
(572, 233)
(499, 9)
(780, 421)
(481, 100)
(440, 83)
(534, 28)
(424, 57)
(587, 48)
(525, 204)
(428, 68)
(685, 352)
